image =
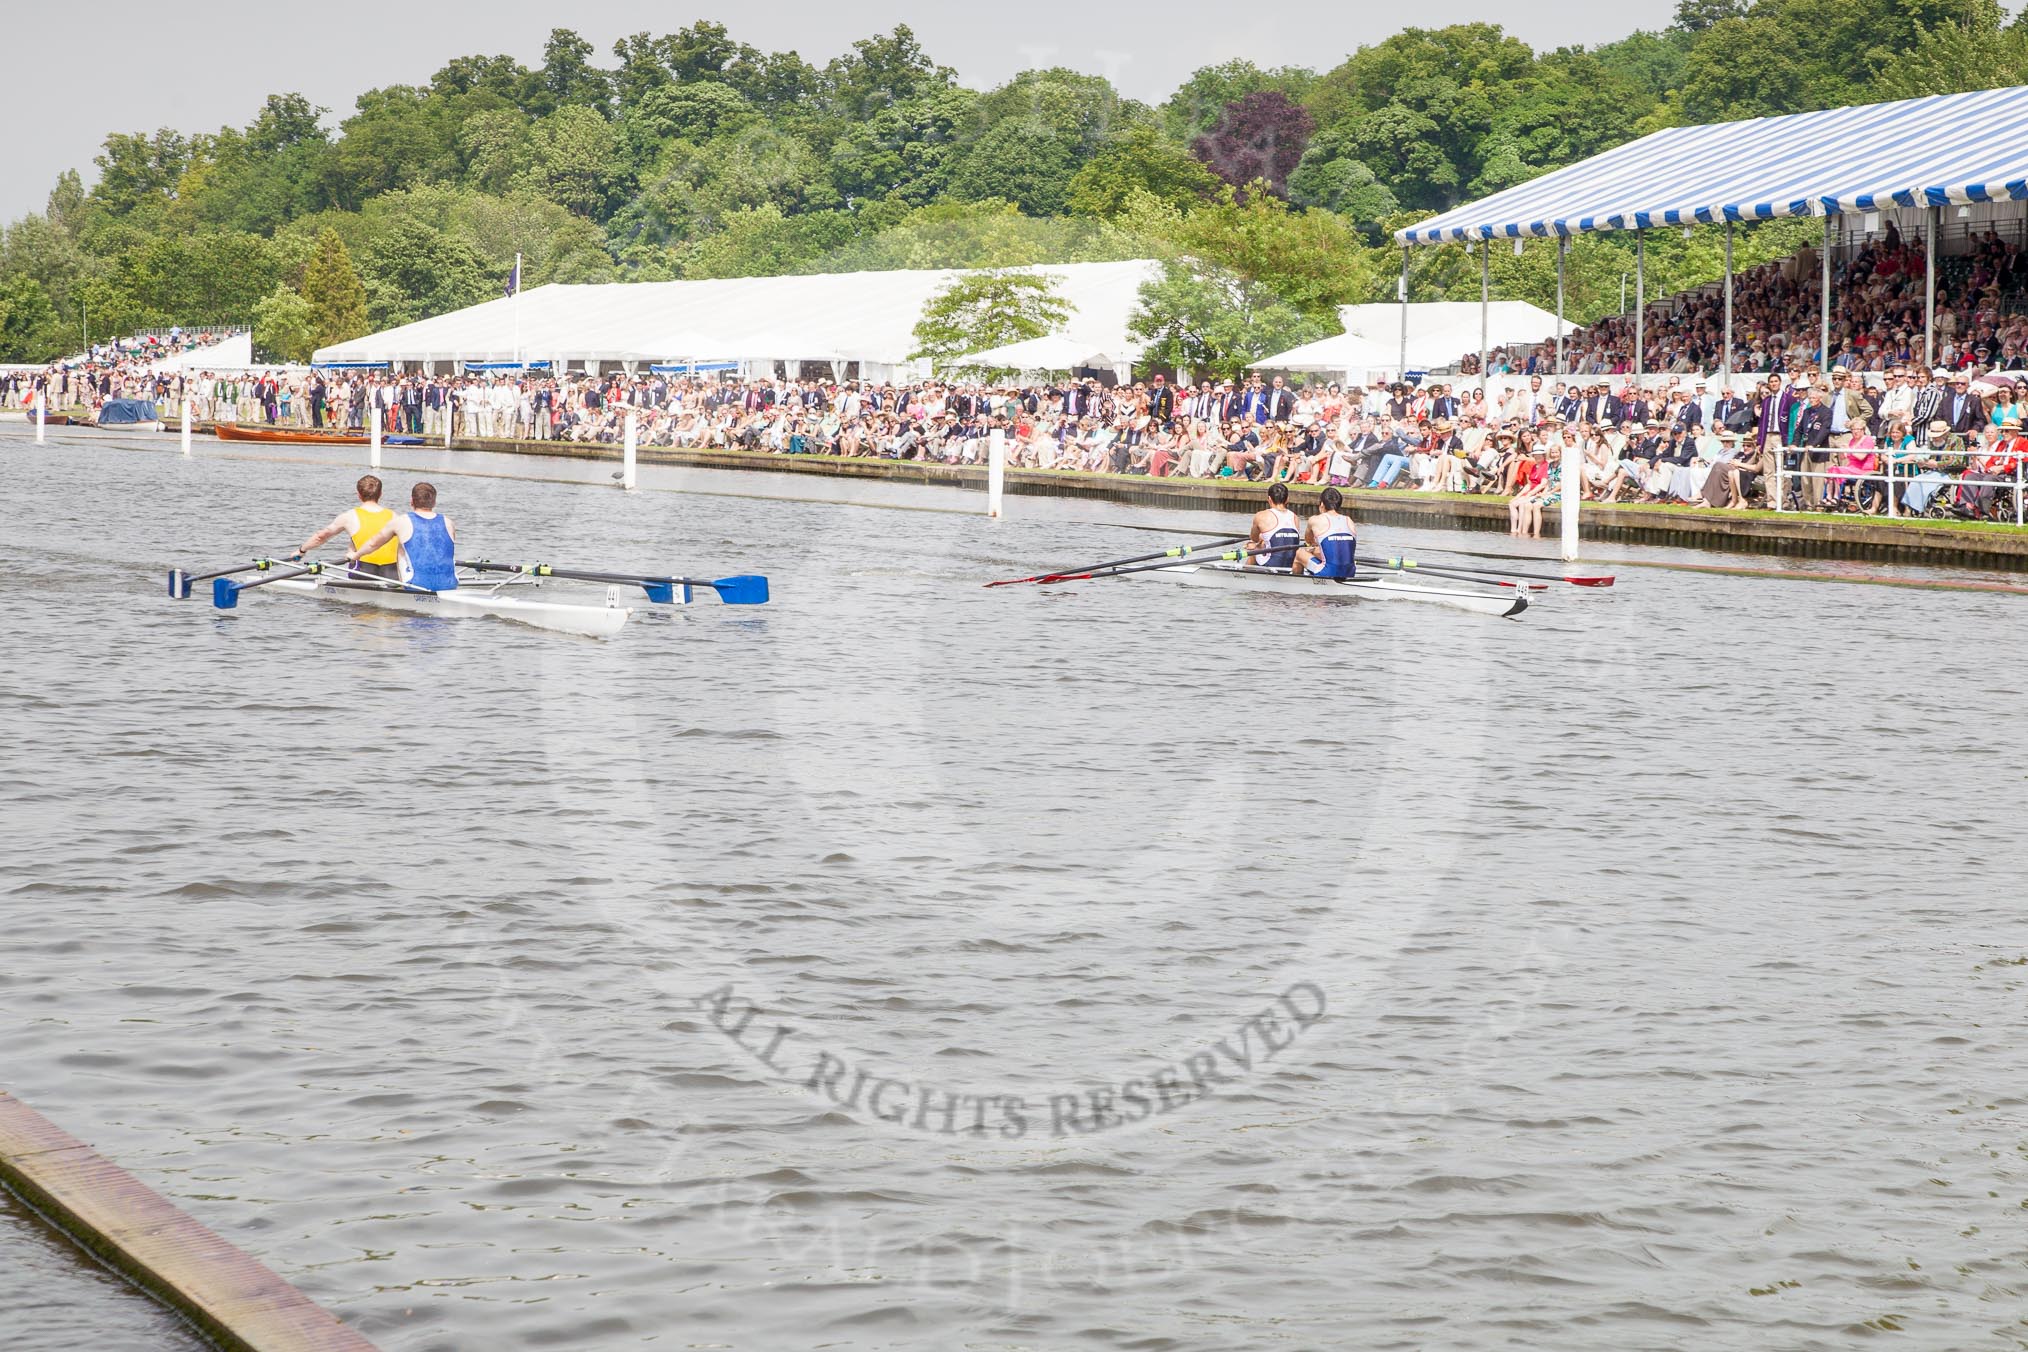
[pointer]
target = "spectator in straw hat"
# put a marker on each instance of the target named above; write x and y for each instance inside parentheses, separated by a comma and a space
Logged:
(1933, 462)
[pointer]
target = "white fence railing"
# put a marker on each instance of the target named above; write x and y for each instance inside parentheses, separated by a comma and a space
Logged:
(1888, 478)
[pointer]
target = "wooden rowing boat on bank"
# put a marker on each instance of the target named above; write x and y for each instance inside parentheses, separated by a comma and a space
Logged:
(304, 436)
(1365, 587)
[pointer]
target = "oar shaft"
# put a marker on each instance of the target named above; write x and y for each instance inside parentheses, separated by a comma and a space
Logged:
(1230, 556)
(180, 582)
(1447, 570)
(743, 590)
(1086, 569)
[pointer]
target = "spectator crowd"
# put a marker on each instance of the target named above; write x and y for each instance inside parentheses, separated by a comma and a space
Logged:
(1879, 433)
(1878, 297)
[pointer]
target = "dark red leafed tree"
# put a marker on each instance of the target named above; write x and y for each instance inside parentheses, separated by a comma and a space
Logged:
(1261, 136)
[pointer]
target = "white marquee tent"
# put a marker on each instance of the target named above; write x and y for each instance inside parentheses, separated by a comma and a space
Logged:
(232, 353)
(1439, 333)
(1055, 352)
(864, 317)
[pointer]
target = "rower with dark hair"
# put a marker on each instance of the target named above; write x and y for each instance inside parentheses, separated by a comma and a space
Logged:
(1330, 541)
(1276, 532)
(428, 543)
(360, 524)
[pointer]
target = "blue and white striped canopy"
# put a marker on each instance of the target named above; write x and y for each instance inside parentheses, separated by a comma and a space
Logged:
(1936, 151)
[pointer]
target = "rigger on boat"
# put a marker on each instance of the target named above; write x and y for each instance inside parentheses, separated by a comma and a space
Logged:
(407, 561)
(1319, 558)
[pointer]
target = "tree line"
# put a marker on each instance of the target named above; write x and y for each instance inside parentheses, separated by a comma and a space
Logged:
(1269, 193)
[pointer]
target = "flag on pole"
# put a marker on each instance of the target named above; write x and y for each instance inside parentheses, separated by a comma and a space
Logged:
(514, 279)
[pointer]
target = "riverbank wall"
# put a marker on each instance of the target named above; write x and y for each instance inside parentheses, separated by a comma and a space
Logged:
(1800, 535)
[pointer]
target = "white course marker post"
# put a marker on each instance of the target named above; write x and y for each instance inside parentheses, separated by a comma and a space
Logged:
(996, 472)
(629, 475)
(186, 426)
(1573, 490)
(41, 416)
(450, 414)
(373, 438)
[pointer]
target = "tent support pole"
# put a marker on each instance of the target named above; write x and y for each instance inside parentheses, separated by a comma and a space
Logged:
(1562, 248)
(1485, 302)
(1725, 360)
(1824, 305)
(1935, 215)
(1640, 302)
(1402, 374)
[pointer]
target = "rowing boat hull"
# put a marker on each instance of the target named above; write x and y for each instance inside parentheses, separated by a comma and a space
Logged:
(561, 617)
(1239, 577)
(293, 435)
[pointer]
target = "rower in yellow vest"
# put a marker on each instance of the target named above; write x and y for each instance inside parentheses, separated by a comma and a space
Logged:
(361, 524)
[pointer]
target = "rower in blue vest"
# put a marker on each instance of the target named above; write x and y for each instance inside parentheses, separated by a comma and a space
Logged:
(428, 543)
(1330, 540)
(1276, 532)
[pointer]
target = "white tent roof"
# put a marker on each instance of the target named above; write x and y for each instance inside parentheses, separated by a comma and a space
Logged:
(857, 316)
(234, 353)
(1441, 331)
(1345, 352)
(1051, 352)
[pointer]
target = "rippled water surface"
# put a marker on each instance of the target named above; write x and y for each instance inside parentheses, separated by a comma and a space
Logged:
(912, 965)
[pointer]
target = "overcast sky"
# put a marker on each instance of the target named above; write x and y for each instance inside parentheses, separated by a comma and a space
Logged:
(123, 65)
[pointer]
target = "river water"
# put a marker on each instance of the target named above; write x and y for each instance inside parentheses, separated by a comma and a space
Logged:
(913, 965)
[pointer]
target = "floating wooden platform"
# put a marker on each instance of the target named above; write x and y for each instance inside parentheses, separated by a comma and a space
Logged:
(229, 1296)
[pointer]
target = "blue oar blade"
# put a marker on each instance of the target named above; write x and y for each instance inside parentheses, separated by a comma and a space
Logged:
(742, 591)
(224, 593)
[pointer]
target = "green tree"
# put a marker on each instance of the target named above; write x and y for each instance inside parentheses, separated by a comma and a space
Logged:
(1652, 62)
(976, 235)
(1312, 259)
(763, 242)
(414, 270)
(986, 310)
(398, 137)
(1065, 105)
(574, 160)
(695, 113)
(336, 296)
(905, 149)
(881, 71)
(211, 277)
(1196, 107)
(1019, 163)
(1473, 58)
(1200, 317)
(283, 326)
(27, 321)
(137, 171)
(1139, 159)
(1976, 52)
(42, 250)
(568, 76)
(495, 148)
(1346, 186)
